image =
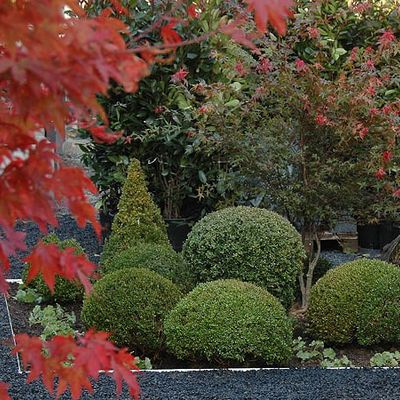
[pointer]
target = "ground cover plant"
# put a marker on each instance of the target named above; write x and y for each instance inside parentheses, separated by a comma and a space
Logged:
(52, 69)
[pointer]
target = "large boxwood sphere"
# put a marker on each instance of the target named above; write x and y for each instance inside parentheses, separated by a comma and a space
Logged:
(250, 244)
(228, 320)
(358, 301)
(131, 304)
(65, 291)
(157, 257)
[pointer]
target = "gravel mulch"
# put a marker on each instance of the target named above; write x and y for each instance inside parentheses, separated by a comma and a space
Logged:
(338, 258)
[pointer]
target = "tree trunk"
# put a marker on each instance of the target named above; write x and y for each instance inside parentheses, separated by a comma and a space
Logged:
(306, 282)
(388, 250)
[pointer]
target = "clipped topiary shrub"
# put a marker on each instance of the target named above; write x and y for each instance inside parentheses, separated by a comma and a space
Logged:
(138, 218)
(358, 301)
(250, 244)
(131, 304)
(229, 321)
(65, 291)
(159, 258)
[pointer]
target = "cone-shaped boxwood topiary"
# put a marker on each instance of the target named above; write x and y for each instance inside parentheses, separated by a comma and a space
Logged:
(131, 304)
(138, 218)
(250, 244)
(229, 321)
(157, 257)
(65, 291)
(358, 301)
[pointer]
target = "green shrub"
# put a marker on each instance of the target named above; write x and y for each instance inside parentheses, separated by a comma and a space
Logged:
(131, 304)
(322, 267)
(159, 258)
(228, 320)
(358, 301)
(250, 244)
(138, 219)
(65, 291)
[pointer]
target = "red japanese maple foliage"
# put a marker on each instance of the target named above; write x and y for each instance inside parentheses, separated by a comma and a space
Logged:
(51, 69)
(91, 353)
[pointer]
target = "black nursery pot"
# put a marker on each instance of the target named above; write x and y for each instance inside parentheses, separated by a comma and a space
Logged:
(106, 220)
(376, 236)
(178, 230)
(368, 236)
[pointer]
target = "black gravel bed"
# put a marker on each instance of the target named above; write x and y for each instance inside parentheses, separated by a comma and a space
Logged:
(67, 229)
(337, 257)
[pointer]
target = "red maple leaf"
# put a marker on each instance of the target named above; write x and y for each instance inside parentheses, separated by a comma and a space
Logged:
(3, 391)
(169, 34)
(273, 12)
(100, 135)
(234, 30)
(49, 261)
(74, 362)
(192, 12)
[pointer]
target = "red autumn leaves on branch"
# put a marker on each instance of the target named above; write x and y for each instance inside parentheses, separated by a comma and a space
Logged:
(51, 69)
(91, 354)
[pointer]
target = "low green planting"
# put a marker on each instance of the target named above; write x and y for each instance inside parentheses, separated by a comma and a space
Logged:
(54, 321)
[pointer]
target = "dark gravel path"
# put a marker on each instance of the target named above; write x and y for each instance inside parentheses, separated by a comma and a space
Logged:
(223, 385)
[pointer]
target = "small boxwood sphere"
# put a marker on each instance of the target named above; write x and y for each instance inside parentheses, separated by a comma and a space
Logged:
(65, 291)
(131, 304)
(159, 258)
(250, 244)
(229, 321)
(358, 301)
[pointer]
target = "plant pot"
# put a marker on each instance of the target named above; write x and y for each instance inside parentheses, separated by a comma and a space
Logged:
(376, 236)
(388, 231)
(368, 236)
(178, 230)
(106, 220)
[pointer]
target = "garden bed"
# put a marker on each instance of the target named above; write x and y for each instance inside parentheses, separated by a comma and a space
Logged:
(19, 317)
